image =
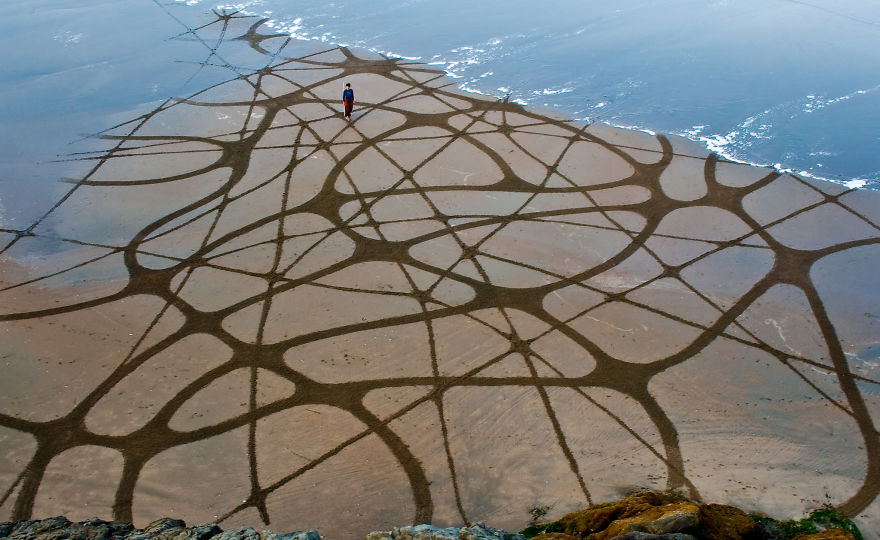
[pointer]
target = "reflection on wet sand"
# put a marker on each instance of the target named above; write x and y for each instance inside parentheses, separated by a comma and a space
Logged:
(450, 309)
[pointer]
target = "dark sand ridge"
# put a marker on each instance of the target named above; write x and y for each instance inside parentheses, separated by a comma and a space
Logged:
(451, 309)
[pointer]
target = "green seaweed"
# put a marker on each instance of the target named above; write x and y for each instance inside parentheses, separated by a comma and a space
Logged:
(817, 521)
(535, 530)
(830, 518)
(793, 528)
(537, 512)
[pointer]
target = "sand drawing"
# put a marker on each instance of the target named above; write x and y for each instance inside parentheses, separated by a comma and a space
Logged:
(445, 307)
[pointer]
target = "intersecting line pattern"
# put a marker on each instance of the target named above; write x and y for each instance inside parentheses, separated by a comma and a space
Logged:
(432, 209)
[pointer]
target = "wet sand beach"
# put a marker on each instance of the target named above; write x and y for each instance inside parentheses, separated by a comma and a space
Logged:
(245, 309)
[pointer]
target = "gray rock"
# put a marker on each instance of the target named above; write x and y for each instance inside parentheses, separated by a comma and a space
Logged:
(164, 525)
(638, 535)
(244, 533)
(310, 534)
(59, 528)
(424, 532)
(34, 528)
(200, 532)
(478, 531)
(49, 524)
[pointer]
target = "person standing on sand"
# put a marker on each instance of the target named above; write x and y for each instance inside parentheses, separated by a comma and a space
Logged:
(348, 100)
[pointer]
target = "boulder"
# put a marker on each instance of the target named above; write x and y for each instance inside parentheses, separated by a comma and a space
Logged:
(650, 515)
(722, 522)
(478, 531)
(659, 520)
(200, 532)
(59, 528)
(244, 533)
(637, 535)
(310, 534)
(164, 525)
(597, 518)
(830, 534)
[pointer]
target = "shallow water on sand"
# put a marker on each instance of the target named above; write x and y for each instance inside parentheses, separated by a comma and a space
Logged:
(784, 82)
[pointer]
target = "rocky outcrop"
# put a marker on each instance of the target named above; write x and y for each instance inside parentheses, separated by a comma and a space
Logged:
(429, 532)
(643, 516)
(830, 534)
(660, 520)
(650, 515)
(58, 528)
(722, 522)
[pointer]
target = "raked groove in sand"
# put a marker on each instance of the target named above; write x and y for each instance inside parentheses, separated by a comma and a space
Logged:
(450, 309)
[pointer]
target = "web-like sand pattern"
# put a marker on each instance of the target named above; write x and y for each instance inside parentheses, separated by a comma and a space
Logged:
(446, 285)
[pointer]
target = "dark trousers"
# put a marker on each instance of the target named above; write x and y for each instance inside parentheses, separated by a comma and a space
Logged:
(349, 105)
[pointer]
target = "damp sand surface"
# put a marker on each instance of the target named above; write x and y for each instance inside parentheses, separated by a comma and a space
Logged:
(451, 309)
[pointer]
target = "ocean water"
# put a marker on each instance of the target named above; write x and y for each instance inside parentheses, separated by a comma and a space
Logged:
(790, 83)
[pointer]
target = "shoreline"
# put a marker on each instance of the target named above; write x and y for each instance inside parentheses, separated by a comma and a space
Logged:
(296, 31)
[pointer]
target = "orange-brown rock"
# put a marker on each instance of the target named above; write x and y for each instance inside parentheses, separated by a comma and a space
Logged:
(722, 522)
(830, 534)
(656, 513)
(668, 518)
(584, 523)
